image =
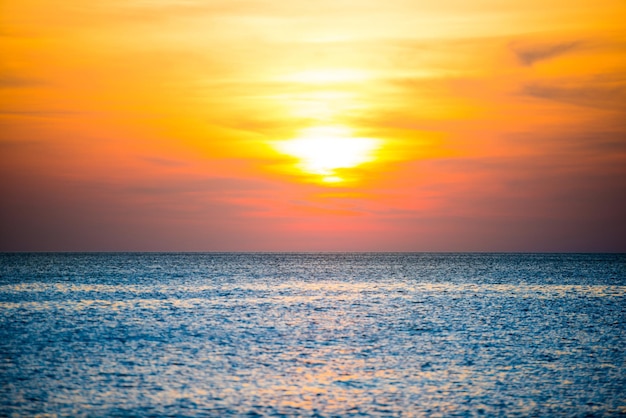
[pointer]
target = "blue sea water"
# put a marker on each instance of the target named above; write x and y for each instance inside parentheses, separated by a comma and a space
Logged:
(339, 334)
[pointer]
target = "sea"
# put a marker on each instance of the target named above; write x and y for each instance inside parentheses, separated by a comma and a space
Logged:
(312, 334)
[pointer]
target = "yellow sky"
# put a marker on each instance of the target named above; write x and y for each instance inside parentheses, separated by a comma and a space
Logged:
(313, 125)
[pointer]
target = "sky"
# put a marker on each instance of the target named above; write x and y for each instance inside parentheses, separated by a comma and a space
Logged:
(343, 125)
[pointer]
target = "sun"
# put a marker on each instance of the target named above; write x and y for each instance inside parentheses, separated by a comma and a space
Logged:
(323, 150)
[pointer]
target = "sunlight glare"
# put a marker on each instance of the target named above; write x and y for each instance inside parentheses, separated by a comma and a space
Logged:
(322, 150)
(325, 76)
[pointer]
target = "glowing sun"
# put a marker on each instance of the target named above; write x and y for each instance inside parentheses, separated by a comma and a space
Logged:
(322, 150)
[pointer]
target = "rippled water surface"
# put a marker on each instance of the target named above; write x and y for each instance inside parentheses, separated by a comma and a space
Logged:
(312, 334)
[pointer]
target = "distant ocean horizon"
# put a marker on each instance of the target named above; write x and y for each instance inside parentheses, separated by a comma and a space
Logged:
(305, 252)
(312, 334)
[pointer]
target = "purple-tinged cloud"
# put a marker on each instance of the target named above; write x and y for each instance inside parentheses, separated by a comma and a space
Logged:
(529, 55)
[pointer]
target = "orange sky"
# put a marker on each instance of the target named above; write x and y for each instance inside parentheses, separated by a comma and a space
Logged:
(266, 125)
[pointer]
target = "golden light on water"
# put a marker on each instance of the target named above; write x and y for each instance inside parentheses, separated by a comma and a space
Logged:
(323, 150)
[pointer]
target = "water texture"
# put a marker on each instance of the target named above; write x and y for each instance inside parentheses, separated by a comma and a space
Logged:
(312, 334)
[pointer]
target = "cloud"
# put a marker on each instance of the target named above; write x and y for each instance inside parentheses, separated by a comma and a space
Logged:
(221, 185)
(189, 213)
(530, 54)
(11, 145)
(12, 81)
(164, 162)
(42, 113)
(588, 93)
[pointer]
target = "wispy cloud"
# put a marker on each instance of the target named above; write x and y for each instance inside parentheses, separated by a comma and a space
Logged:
(530, 54)
(12, 81)
(596, 92)
(213, 186)
(164, 162)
